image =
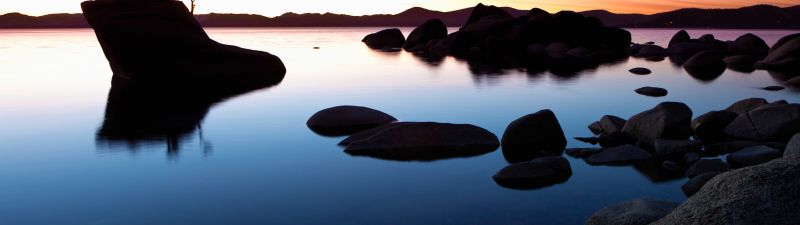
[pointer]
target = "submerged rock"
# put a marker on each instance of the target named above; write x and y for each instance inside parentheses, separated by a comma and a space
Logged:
(652, 91)
(693, 185)
(422, 141)
(668, 120)
(707, 166)
(539, 173)
(346, 120)
(753, 156)
(619, 155)
(385, 39)
(634, 212)
(763, 194)
(640, 71)
(534, 135)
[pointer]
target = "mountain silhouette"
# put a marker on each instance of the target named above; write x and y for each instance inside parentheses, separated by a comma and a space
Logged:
(751, 17)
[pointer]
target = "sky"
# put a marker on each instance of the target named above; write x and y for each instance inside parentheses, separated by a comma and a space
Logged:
(363, 7)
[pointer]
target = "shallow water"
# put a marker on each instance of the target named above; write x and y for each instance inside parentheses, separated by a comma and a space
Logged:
(253, 161)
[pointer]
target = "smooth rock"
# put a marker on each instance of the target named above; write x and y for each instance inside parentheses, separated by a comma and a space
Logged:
(753, 156)
(652, 91)
(750, 44)
(596, 128)
(793, 148)
(773, 122)
(691, 158)
(651, 50)
(432, 29)
(539, 173)
(709, 127)
(611, 124)
(705, 65)
(533, 135)
(706, 166)
(745, 105)
(728, 147)
(693, 185)
(619, 155)
(346, 120)
(634, 212)
(640, 71)
(389, 38)
(668, 120)
(741, 63)
(680, 37)
(784, 56)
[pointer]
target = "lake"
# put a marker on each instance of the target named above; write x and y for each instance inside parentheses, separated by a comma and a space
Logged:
(252, 160)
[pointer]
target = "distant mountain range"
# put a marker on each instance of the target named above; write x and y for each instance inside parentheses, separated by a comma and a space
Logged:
(752, 17)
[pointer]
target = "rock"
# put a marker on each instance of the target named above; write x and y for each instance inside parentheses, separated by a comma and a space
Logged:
(611, 124)
(480, 11)
(706, 166)
(539, 173)
(173, 49)
(578, 53)
(537, 134)
(668, 120)
(693, 185)
(745, 105)
(432, 29)
(750, 44)
(346, 120)
(776, 145)
(619, 155)
(741, 63)
(652, 91)
(763, 194)
(655, 58)
(596, 128)
(590, 140)
(615, 139)
(582, 152)
(634, 212)
(728, 147)
(705, 65)
(672, 167)
(793, 148)
(422, 141)
(709, 127)
(389, 38)
(691, 158)
(784, 56)
(681, 37)
(774, 88)
(773, 122)
(651, 50)
(753, 156)
(687, 49)
(666, 147)
(557, 50)
(640, 71)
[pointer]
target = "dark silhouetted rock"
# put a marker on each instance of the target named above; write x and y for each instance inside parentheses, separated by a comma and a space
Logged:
(745, 105)
(668, 120)
(691, 158)
(423, 141)
(590, 140)
(793, 147)
(537, 134)
(582, 152)
(161, 42)
(651, 50)
(672, 167)
(784, 56)
(773, 122)
(385, 39)
(619, 155)
(611, 124)
(431, 30)
(728, 147)
(652, 91)
(709, 127)
(749, 44)
(705, 65)
(681, 37)
(539, 173)
(666, 147)
(693, 185)
(640, 71)
(774, 88)
(707, 166)
(634, 212)
(346, 120)
(741, 63)
(596, 128)
(557, 50)
(763, 194)
(481, 11)
(753, 156)
(615, 139)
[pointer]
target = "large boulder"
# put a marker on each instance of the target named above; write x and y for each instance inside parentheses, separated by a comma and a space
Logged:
(772, 122)
(159, 41)
(745, 105)
(784, 56)
(421, 141)
(346, 120)
(681, 37)
(753, 156)
(385, 39)
(619, 155)
(537, 134)
(431, 30)
(793, 148)
(480, 11)
(749, 44)
(706, 65)
(540, 172)
(634, 212)
(709, 127)
(762, 194)
(668, 120)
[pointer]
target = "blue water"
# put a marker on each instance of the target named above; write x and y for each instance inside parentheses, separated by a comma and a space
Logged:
(253, 161)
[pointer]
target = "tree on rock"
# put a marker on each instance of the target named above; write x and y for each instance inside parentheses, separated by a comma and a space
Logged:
(193, 6)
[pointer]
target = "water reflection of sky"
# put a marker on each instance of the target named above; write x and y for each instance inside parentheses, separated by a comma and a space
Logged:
(267, 167)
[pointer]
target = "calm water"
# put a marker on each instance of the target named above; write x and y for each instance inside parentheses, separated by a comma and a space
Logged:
(253, 161)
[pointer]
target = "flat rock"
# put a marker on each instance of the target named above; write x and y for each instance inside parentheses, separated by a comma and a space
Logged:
(589, 140)
(709, 127)
(753, 156)
(346, 120)
(762, 194)
(640, 71)
(706, 166)
(582, 152)
(730, 146)
(634, 212)
(668, 120)
(745, 105)
(422, 141)
(665, 147)
(693, 185)
(619, 155)
(774, 88)
(652, 91)
(538, 173)
(537, 134)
